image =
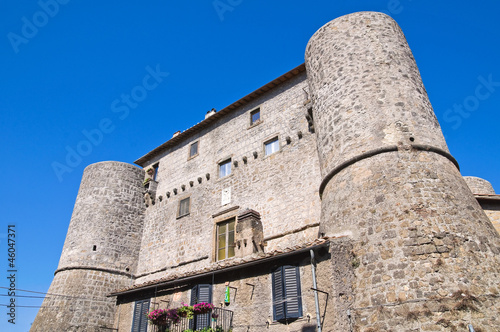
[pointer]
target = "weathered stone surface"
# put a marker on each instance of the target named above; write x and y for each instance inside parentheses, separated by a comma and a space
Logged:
(478, 185)
(372, 117)
(100, 252)
(410, 247)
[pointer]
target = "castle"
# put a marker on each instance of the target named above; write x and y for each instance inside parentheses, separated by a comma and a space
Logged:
(325, 200)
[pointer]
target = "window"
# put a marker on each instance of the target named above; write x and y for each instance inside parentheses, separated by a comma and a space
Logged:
(225, 239)
(255, 116)
(184, 207)
(287, 300)
(193, 150)
(140, 321)
(200, 293)
(155, 171)
(272, 146)
(225, 168)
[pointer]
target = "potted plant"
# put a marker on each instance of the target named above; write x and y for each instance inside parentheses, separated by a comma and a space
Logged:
(185, 311)
(202, 308)
(158, 317)
(162, 317)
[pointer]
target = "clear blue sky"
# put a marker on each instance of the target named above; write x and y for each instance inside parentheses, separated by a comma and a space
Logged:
(63, 74)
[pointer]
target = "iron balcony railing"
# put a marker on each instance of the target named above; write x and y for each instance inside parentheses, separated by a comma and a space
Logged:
(218, 319)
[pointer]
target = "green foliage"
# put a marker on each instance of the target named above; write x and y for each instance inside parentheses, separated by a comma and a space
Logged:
(186, 311)
(208, 329)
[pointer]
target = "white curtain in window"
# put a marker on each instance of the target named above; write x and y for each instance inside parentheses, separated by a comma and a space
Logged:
(272, 147)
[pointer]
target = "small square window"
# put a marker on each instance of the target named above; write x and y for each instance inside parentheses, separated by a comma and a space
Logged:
(225, 168)
(193, 149)
(184, 207)
(272, 146)
(225, 239)
(255, 116)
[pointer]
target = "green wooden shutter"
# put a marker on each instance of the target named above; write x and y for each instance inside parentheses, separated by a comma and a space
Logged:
(201, 293)
(287, 299)
(293, 298)
(140, 321)
(278, 295)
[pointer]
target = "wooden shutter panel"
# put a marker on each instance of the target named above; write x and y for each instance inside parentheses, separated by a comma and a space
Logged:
(205, 293)
(278, 298)
(144, 319)
(293, 298)
(137, 315)
(194, 295)
(201, 293)
(140, 322)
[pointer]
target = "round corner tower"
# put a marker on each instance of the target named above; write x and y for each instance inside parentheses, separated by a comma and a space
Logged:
(408, 235)
(100, 251)
(479, 186)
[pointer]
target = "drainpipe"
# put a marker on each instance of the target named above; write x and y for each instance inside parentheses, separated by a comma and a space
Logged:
(313, 269)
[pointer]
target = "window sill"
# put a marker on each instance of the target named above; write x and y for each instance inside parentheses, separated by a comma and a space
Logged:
(184, 215)
(255, 124)
(225, 260)
(225, 177)
(273, 154)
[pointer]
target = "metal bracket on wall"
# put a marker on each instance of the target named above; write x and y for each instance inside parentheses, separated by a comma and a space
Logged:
(253, 288)
(326, 303)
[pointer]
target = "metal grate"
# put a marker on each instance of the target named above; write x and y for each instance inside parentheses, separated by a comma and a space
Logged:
(220, 320)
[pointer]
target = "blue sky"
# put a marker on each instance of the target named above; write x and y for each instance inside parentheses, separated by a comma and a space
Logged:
(65, 72)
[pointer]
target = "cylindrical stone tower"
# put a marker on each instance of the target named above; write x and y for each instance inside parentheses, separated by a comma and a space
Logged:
(100, 251)
(414, 249)
(479, 186)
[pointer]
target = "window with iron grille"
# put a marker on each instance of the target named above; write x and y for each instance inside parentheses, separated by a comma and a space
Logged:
(287, 299)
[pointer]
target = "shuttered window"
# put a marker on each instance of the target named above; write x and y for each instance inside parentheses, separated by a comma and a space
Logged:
(140, 322)
(200, 293)
(287, 299)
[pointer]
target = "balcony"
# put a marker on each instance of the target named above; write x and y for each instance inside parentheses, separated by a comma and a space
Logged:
(219, 320)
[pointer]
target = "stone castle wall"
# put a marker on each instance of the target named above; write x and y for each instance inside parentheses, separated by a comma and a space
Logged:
(479, 186)
(76, 302)
(282, 187)
(251, 297)
(422, 240)
(410, 246)
(100, 251)
(493, 213)
(106, 225)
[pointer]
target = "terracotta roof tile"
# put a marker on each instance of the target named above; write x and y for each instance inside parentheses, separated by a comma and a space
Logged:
(217, 266)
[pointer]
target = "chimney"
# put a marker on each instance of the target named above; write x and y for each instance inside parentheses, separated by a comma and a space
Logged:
(210, 113)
